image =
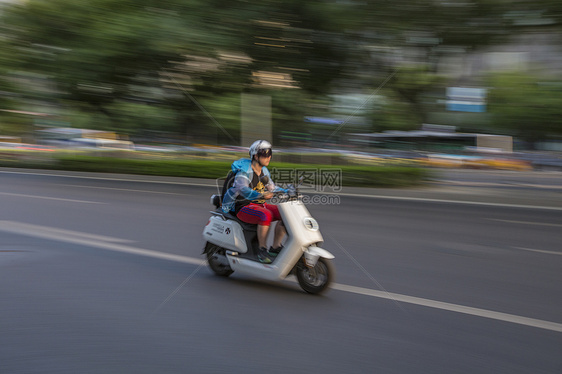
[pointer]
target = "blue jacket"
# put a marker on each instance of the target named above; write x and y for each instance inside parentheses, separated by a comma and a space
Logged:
(241, 187)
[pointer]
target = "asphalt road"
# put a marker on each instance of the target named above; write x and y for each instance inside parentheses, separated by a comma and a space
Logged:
(103, 274)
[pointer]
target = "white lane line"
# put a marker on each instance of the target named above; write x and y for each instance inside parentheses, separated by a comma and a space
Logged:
(526, 222)
(462, 202)
(122, 189)
(50, 198)
(85, 239)
(495, 184)
(89, 240)
(23, 228)
(547, 325)
(539, 251)
(117, 179)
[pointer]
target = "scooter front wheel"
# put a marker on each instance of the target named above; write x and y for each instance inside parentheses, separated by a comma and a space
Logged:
(216, 258)
(316, 279)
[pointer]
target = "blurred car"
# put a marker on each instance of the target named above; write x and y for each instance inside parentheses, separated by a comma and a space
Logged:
(89, 143)
(476, 162)
(507, 164)
(447, 161)
(542, 161)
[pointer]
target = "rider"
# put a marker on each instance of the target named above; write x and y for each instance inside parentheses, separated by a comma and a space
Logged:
(246, 198)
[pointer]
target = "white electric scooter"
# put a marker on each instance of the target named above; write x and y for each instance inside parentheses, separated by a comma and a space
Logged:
(232, 245)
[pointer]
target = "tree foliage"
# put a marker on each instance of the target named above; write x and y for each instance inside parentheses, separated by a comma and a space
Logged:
(526, 106)
(180, 66)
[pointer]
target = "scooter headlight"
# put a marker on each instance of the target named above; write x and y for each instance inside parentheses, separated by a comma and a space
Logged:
(311, 224)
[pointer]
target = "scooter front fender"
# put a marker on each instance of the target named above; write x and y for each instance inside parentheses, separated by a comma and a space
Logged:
(313, 253)
(320, 252)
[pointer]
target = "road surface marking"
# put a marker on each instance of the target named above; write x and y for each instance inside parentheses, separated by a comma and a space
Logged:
(122, 189)
(117, 179)
(85, 239)
(89, 240)
(424, 199)
(547, 325)
(539, 251)
(18, 227)
(444, 182)
(527, 222)
(50, 198)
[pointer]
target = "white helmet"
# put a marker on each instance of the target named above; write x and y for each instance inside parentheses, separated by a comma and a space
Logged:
(259, 145)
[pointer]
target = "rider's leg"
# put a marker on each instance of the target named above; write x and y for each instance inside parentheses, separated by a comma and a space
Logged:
(279, 234)
(280, 231)
(254, 213)
(262, 235)
(263, 255)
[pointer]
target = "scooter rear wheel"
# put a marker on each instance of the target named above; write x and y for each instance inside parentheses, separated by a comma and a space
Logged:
(316, 279)
(217, 266)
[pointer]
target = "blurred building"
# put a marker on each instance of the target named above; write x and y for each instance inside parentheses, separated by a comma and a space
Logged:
(538, 51)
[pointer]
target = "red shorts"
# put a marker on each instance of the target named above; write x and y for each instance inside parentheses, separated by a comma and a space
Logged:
(261, 214)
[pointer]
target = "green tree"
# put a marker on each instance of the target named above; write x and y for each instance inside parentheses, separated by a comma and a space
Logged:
(410, 84)
(187, 55)
(393, 113)
(99, 53)
(525, 106)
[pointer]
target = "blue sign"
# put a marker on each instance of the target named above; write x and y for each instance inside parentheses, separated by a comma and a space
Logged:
(464, 99)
